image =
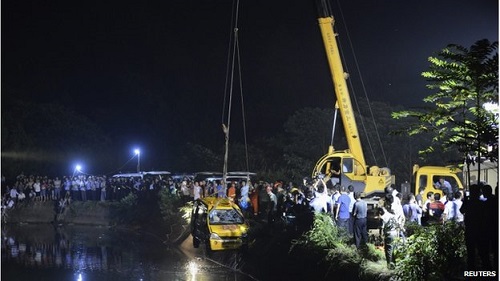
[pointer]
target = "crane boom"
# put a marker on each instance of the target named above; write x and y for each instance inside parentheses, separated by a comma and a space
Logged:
(348, 165)
(339, 82)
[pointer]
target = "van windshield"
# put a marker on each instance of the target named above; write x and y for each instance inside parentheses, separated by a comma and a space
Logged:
(229, 216)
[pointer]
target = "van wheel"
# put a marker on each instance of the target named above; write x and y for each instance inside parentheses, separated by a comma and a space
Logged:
(196, 243)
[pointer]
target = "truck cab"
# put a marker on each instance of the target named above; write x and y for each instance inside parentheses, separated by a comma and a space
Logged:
(426, 177)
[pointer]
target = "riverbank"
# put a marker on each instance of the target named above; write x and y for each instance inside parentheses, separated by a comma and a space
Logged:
(269, 250)
(84, 213)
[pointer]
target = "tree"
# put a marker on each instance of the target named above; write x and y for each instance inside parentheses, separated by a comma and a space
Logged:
(465, 79)
(307, 134)
(197, 158)
(45, 137)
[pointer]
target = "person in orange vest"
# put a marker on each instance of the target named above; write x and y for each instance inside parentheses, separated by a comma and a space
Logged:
(231, 192)
(254, 199)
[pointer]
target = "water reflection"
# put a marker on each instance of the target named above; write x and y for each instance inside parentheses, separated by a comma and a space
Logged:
(44, 252)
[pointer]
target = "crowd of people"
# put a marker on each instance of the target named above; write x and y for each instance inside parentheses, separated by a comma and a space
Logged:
(66, 189)
(291, 205)
(476, 212)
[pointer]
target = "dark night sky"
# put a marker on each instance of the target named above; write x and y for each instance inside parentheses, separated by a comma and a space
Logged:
(136, 67)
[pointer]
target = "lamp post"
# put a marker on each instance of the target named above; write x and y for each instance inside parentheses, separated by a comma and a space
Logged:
(138, 153)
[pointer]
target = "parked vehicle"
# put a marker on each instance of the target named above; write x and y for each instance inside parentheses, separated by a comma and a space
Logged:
(129, 175)
(230, 177)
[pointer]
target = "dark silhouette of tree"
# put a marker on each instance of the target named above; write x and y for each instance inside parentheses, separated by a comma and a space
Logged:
(47, 138)
(465, 79)
(198, 158)
(306, 138)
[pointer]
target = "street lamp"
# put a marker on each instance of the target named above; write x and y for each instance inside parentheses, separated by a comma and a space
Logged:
(78, 169)
(138, 153)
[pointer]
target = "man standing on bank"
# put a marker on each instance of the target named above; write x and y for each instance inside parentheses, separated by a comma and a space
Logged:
(359, 213)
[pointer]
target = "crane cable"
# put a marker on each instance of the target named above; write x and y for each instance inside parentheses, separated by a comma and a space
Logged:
(365, 131)
(233, 57)
(228, 59)
(243, 109)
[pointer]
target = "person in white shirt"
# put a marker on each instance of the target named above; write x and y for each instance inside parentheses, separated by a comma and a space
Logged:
(37, 187)
(273, 203)
(21, 196)
(244, 201)
(452, 208)
(397, 208)
(10, 203)
(196, 191)
(320, 201)
(350, 188)
(57, 188)
(185, 191)
(14, 193)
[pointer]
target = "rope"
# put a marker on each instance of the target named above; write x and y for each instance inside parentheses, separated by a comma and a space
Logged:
(233, 58)
(228, 63)
(242, 107)
(227, 128)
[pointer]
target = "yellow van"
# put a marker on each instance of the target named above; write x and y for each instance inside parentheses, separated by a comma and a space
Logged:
(219, 223)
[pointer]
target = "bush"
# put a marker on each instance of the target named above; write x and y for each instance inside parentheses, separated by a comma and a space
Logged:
(323, 235)
(435, 252)
(334, 247)
(170, 206)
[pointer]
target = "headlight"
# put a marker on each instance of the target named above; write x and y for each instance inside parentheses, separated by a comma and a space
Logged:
(244, 229)
(215, 236)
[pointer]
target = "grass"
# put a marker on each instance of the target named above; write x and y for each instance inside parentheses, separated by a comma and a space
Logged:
(340, 255)
(375, 270)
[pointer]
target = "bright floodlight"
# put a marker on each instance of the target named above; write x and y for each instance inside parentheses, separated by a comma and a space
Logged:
(78, 169)
(138, 153)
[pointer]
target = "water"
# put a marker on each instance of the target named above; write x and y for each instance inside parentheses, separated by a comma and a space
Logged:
(85, 253)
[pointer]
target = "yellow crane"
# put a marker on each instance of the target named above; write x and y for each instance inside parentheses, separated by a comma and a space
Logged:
(349, 164)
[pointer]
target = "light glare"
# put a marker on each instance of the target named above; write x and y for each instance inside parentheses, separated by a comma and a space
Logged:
(192, 268)
(491, 107)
